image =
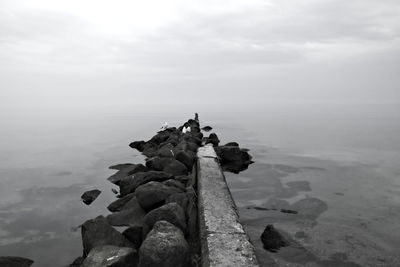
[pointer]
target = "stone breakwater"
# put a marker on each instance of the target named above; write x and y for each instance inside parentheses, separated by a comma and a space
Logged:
(157, 204)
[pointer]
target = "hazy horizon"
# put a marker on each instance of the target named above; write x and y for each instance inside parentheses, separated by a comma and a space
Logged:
(67, 54)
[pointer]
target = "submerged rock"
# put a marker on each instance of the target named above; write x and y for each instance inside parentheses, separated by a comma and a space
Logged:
(111, 256)
(164, 246)
(207, 128)
(233, 158)
(272, 239)
(139, 145)
(8, 261)
(171, 212)
(97, 232)
(89, 196)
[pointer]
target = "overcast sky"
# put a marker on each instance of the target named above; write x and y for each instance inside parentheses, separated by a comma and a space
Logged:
(258, 51)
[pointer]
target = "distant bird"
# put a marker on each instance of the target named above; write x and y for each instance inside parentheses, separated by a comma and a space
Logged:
(186, 129)
(165, 126)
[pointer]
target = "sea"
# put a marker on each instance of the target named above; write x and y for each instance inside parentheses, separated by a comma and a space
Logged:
(334, 166)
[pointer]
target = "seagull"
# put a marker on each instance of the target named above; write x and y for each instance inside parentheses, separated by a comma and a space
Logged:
(186, 129)
(165, 126)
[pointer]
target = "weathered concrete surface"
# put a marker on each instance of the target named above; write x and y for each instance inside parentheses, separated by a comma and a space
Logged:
(223, 240)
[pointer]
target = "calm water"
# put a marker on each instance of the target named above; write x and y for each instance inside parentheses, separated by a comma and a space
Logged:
(336, 165)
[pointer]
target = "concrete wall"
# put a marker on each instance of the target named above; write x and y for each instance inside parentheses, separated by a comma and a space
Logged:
(223, 240)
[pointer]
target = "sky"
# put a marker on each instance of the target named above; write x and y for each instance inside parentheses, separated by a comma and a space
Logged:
(126, 52)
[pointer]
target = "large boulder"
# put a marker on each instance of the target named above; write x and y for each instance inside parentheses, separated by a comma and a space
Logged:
(187, 158)
(139, 145)
(272, 239)
(97, 232)
(176, 168)
(167, 164)
(153, 194)
(125, 172)
(233, 158)
(167, 150)
(212, 139)
(8, 261)
(175, 183)
(120, 203)
(150, 149)
(89, 196)
(132, 215)
(134, 234)
(129, 184)
(164, 246)
(171, 212)
(111, 256)
(179, 198)
(185, 146)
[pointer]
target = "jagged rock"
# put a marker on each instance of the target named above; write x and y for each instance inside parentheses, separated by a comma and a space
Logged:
(233, 158)
(174, 183)
(89, 196)
(121, 166)
(77, 262)
(159, 163)
(176, 168)
(187, 158)
(212, 139)
(170, 212)
(135, 235)
(8, 261)
(120, 203)
(272, 239)
(207, 128)
(129, 184)
(153, 194)
(179, 198)
(167, 150)
(185, 146)
(111, 256)
(132, 215)
(150, 149)
(192, 139)
(97, 232)
(232, 144)
(125, 172)
(164, 246)
(161, 136)
(138, 145)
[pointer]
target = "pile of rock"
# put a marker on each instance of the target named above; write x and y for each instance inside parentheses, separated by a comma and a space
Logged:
(156, 203)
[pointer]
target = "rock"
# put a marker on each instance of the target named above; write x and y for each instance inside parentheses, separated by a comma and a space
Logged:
(176, 168)
(185, 146)
(161, 137)
(153, 194)
(97, 232)
(171, 212)
(120, 203)
(138, 145)
(179, 198)
(233, 158)
(207, 128)
(182, 179)
(192, 139)
(168, 150)
(164, 246)
(89, 196)
(167, 164)
(191, 214)
(187, 158)
(150, 149)
(111, 256)
(129, 184)
(135, 235)
(120, 166)
(212, 139)
(272, 239)
(115, 191)
(8, 261)
(125, 172)
(132, 215)
(174, 183)
(232, 144)
(77, 262)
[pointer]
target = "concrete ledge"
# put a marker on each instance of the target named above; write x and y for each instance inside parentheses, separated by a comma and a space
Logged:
(223, 240)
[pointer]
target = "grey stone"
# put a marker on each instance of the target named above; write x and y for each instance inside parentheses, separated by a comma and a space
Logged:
(111, 256)
(125, 172)
(154, 194)
(119, 204)
(171, 212)
(164, 246)
(132, 215)
(8, 261)
(129, 184)
(89, 196)
(134, 234)
(97, 232)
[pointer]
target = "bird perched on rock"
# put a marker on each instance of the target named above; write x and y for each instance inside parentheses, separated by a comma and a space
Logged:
(186, 129)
